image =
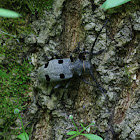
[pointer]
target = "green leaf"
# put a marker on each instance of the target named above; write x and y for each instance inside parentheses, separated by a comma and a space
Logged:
(72, 133)
(113, 3)
(3, 74)
(8, 13)
(92, 136)
(82, 125)
(22, 136)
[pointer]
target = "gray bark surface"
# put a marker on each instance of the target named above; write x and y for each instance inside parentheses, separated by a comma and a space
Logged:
(116, 69)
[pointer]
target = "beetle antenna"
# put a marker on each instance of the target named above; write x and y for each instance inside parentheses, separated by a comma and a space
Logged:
(91, 66)
(91, 52)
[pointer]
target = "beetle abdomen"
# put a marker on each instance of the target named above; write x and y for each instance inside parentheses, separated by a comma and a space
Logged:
(56, 70)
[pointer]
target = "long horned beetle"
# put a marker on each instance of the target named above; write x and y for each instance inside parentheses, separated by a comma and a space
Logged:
(63, 69)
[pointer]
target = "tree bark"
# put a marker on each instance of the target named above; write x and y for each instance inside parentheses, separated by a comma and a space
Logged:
(116, 69)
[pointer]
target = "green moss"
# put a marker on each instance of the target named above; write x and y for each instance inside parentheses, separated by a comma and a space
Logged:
(14, 26)
(14, 88)
(14, 76)
(26, 8)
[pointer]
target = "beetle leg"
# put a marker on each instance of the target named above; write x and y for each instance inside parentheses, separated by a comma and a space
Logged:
(96, 53)
(85, 81)
(67, 85)
(57, 86)
(60, 84)
(97, 84)
(71, 58)
(57, 56)
(77, 49)
(82, 54)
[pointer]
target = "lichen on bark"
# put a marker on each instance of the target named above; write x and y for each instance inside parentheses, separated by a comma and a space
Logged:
(116, 69)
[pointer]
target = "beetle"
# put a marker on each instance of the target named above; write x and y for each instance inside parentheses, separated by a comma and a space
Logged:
(63, 69)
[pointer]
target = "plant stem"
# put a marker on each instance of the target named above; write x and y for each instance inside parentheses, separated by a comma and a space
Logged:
(75, 125)
(79, 132)
(22, 126)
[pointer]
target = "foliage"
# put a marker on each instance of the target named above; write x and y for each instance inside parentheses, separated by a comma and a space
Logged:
(3, 74)
(15, 26)
(14, 86)
(77, 132)
(27, 6)
(113, 3)
(24, 135)
(8, 13)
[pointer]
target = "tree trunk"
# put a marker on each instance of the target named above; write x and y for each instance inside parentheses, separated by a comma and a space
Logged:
(116, 69)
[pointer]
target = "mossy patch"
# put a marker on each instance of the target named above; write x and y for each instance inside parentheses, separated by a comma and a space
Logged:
(27, 6)
(26, 9)
(14, 87)
(15, 69)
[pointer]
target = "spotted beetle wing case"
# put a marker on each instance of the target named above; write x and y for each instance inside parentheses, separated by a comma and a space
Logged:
(55, 70)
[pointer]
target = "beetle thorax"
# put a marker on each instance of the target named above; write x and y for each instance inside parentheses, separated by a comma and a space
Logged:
(79, 67)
